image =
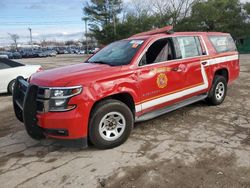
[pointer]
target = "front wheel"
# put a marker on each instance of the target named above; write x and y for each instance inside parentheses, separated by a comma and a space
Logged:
(218, 91)
(110, 124)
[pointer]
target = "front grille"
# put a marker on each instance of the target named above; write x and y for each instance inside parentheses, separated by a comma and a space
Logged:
(41, 92)
(43, 96)
(40, 106)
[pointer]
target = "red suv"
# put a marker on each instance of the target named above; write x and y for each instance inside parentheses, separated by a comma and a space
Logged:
(132, 80)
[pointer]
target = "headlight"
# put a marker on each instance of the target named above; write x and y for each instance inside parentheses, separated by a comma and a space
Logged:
(58, 98)
(60, 105)
(65, 92)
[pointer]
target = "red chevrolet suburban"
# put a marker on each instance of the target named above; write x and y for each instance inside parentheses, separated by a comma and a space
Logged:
(132, 80)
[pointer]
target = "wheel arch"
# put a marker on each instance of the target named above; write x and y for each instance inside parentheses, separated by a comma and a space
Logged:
(222, 72)
(124, 97)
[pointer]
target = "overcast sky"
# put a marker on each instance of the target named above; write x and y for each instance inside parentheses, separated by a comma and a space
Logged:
(49, 19)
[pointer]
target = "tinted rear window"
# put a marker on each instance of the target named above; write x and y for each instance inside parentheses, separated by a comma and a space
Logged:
(6, 63)
(223, 43)
(3, 66)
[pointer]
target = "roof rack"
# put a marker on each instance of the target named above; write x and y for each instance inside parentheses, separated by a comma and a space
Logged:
(166, 30)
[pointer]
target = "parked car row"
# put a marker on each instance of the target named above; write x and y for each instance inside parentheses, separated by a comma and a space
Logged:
(68, 50)
(10, 55)
(44, 52)
(28, 54)
(38, 53)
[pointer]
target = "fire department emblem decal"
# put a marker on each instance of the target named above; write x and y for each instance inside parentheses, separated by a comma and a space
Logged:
(162, 80)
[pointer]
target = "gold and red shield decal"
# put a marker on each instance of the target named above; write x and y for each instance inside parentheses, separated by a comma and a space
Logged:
(162, 80)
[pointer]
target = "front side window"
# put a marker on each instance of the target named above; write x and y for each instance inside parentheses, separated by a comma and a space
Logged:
(189, 46)
(223, 43)
(117, 53)
(159, 51)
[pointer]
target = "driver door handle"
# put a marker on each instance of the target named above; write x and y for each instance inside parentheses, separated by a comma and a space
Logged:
(176, 69)
(180, 68)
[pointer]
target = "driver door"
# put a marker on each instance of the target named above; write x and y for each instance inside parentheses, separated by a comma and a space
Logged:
(160, 75)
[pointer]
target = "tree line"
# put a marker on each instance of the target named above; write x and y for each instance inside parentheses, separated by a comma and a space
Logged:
(111, 20)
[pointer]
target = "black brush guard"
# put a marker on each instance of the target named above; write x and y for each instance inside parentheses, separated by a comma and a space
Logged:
(26, 106)
(24, 101)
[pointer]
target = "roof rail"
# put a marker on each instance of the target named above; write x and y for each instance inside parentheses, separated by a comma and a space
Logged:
(166, 29)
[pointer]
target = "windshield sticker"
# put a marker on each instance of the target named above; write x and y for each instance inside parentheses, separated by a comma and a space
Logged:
(136, 42)
(135, 45)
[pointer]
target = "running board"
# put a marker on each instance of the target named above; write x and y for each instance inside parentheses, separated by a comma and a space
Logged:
(154, 114)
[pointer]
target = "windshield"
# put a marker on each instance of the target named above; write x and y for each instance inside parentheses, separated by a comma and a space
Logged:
(117, 53)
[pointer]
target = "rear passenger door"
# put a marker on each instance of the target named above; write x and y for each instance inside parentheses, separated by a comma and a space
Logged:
(190, 51)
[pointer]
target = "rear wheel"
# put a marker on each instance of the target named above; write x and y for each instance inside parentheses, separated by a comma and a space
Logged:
(110, 124)
(11, 86)
(218, 91)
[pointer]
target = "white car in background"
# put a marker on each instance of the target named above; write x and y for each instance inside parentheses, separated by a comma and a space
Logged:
(81, 52)
(10, 70)
(4, 56)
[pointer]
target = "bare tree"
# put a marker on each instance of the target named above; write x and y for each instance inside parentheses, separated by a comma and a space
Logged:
(176, 9)
(160, 7)
(141, 7)
(179, 9)
(14, 37)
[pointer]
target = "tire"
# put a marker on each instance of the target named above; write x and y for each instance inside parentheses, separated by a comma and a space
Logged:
(218, 91)
(11, 86)
(35, 132)
(111, 123)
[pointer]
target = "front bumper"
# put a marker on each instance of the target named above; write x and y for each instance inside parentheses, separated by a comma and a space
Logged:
(30, 110)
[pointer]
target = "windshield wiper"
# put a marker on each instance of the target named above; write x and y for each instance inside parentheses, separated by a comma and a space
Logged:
(99, 62)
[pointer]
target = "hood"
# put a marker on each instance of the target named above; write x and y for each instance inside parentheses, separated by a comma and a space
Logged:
(60, 77)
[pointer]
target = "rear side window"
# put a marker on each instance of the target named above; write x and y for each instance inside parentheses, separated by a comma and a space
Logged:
(223, 43)
(3, 66)
(189, 46)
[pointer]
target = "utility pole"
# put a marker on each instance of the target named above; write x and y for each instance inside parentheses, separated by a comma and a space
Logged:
(86, 33)
(31, 37)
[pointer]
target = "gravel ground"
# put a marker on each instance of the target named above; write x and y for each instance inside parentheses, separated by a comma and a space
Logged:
(196, 146)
